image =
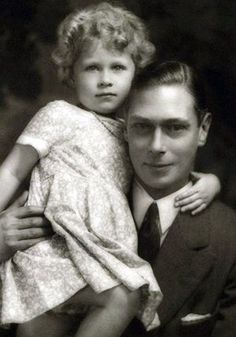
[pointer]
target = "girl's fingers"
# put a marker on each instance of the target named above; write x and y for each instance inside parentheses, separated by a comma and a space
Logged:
(199, 209)
(191, 207)
(197, 175)
(187, 200)
(186, 194)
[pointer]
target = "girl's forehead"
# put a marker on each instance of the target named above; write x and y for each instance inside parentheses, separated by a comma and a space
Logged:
(98, 47)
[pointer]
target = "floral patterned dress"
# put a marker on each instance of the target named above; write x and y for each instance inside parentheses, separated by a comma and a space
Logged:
(81, 179)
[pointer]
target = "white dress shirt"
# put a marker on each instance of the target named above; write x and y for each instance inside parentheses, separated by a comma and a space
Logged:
(167, 211)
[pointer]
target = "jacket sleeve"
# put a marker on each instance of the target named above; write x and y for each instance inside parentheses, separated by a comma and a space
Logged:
(226, 318)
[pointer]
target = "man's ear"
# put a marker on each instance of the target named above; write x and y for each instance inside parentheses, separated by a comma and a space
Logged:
(204, 129)
(125, 134)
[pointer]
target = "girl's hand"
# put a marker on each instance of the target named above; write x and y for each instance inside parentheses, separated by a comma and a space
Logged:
(200, 195)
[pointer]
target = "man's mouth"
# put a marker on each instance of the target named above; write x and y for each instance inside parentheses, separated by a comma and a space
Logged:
(106, 94)
(158, 165)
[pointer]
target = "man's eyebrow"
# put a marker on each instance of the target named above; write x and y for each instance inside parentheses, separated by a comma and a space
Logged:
(176, 120)
(140, 118)
(162, 121)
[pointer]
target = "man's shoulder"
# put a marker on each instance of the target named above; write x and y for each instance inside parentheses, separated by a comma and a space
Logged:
(215, 225)
(217, 211)
(217, 217)
(221, 211)
(222, 219)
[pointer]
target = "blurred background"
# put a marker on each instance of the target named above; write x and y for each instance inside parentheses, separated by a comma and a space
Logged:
(201, 33)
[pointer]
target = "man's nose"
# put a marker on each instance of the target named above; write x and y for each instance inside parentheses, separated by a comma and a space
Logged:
(105, 79)
(158, 143)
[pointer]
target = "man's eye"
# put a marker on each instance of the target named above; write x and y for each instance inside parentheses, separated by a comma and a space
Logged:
(175, 129)
(92, 67)
(141, 127)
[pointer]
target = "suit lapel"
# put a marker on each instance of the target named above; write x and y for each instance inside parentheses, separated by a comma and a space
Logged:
(182, 262)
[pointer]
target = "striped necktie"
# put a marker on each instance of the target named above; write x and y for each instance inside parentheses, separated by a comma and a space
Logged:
(149, 235)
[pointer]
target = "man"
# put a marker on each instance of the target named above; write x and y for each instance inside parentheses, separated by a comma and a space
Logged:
(195, 263)
(195, 266)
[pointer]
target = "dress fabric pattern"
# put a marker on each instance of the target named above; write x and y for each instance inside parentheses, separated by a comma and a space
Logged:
(81, 180)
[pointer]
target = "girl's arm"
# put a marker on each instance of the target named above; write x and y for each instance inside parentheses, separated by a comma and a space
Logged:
(200, 195)
(14, 170)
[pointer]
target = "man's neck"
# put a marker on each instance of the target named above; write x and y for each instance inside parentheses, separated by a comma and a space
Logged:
(159, 193)
(141, 200)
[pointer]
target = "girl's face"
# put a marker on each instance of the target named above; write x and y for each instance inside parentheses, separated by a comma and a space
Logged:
(103, 78)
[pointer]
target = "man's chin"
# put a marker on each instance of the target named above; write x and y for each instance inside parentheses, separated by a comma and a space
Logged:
(157, 187)
(161, 178)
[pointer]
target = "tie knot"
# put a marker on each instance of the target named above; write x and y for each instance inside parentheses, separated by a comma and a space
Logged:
(152, 212)
(149, 236)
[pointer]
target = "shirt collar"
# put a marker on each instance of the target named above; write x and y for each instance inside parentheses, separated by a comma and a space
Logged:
(142, 200)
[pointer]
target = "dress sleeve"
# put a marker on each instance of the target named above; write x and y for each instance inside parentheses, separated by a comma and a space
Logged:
(46, 128)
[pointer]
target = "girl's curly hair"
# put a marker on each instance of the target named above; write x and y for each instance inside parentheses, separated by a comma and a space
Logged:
(116, 27)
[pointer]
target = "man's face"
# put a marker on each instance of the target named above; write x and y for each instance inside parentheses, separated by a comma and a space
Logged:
(163, 134)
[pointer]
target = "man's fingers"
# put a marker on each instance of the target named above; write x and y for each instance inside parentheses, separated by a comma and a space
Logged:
(26, 234)
(26, 211)
(19, 201)
(25, 244)
(19, 224)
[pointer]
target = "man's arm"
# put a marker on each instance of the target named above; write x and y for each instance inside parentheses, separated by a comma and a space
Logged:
(21, 227)
(226, 320)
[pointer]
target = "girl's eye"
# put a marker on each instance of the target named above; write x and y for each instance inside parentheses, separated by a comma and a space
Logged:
(92, 67)
(118, 67)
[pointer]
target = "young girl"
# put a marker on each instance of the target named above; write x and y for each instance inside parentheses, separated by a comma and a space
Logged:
(82, 179)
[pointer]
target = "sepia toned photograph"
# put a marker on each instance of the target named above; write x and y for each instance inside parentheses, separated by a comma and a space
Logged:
(117, 168)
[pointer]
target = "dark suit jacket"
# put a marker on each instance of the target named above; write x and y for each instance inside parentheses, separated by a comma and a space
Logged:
(196, 270)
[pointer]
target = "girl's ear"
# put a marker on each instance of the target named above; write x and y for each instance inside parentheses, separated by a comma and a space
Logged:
(71, 77)
(204, 129)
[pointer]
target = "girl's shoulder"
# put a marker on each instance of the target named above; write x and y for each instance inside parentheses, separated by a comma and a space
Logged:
(60, 110)
(53, 123)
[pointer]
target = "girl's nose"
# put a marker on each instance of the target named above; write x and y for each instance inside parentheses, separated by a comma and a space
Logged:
(105, 79)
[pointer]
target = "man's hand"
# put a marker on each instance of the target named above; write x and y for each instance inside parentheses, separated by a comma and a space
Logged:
(22, 226)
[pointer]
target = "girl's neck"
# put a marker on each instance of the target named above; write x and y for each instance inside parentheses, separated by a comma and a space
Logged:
(109, 116)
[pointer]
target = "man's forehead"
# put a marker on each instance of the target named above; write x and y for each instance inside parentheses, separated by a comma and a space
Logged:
(141, 118)
(162, 102)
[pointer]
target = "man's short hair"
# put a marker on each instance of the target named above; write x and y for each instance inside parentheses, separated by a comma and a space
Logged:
(171, 73)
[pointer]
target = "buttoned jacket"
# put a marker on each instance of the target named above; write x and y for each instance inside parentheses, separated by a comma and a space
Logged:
(196, 270)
